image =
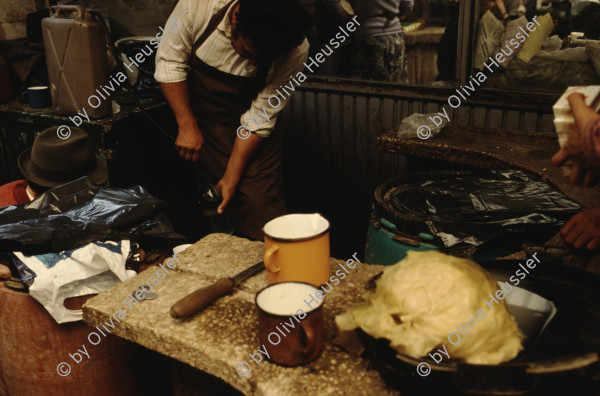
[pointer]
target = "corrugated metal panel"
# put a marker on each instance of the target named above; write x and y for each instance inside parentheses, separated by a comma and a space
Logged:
(332, 165)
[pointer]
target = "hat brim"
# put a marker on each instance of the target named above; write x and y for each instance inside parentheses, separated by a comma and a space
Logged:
(98, 176)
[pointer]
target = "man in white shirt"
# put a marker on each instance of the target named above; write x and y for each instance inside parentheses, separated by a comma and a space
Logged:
(222, 71)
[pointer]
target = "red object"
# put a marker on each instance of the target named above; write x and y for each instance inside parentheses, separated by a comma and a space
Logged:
(14, 193)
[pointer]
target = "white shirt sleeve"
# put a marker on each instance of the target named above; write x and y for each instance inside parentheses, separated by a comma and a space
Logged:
(175, 46)
(191, 18)
(263, 114)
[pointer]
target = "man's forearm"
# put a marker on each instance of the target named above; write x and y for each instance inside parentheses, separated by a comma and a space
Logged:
(241, 155)
(178, 96)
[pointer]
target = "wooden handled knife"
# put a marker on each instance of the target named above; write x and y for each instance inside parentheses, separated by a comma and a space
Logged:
(202, 298)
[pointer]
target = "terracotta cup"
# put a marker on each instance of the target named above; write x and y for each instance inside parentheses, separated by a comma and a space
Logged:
(297, 249)
(290, 323)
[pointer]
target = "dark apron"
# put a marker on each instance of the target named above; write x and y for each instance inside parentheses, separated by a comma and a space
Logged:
(218, 101)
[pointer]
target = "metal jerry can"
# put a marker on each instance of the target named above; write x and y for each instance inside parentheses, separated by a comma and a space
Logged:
(75, 45)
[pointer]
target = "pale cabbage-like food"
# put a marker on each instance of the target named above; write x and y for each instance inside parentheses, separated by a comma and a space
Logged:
(420, 300)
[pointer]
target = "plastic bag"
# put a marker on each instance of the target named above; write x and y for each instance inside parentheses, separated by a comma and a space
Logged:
(576, 54)
(78, 213)
(545, 73)
(473, 207)
(409, 127)
(90, 269)
(553, 43)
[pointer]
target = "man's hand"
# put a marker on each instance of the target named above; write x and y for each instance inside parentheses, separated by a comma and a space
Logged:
(583, 229)
(241, 155)
(580, 170)
(190, 142)
(226, 187)
(189, 139)
(573, 148)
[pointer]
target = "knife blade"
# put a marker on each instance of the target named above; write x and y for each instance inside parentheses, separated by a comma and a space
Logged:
(202, 298)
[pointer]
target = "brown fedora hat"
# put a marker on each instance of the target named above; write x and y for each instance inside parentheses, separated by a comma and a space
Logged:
(53, 161)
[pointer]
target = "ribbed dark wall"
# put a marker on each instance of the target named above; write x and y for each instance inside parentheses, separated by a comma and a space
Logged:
(331, 164)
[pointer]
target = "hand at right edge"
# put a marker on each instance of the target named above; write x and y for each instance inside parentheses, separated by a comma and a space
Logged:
(583, 230)
(574, 146)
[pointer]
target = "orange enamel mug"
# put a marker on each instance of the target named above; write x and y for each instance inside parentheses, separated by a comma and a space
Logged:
(297, 249)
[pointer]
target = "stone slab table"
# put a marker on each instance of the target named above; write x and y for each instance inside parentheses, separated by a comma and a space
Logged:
(219, 338)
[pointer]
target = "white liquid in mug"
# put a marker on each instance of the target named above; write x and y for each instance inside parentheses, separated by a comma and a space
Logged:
(296, 226)
(286, 298)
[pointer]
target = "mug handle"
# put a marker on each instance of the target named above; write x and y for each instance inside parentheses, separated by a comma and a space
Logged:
(23, 94)
(268, 253)
(310, 338)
